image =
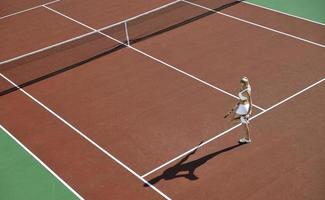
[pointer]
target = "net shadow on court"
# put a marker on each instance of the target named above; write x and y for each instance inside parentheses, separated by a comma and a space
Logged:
(59, 58)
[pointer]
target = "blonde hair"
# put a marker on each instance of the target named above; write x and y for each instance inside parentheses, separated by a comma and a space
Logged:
(245, 80)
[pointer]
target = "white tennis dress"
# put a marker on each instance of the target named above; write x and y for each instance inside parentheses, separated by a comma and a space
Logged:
(243, 109)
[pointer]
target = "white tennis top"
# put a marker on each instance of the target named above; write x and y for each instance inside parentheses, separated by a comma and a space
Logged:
(241, 96)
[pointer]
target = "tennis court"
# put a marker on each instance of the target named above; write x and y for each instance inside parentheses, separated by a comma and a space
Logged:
(125, 100)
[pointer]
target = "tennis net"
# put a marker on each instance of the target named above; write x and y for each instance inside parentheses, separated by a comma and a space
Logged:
(44, 63)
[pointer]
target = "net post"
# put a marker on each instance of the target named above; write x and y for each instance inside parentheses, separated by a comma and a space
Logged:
(127, 33)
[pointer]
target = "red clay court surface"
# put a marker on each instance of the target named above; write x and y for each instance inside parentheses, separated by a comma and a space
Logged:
(145, 113)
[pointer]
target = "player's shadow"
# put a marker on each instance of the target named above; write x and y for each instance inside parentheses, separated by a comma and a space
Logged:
(184, 169)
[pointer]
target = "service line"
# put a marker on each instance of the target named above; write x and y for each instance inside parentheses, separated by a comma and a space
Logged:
(29, 9)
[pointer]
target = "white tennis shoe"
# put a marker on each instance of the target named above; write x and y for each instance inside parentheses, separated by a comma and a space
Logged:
(245, 140)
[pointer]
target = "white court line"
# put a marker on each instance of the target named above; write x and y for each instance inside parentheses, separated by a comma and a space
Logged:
(187, 75)
(190, 75)
(42, 163)
(190, 150)
(283, 13)
(232, 128)
(78, 37)
(46, 48)
(292, 96)
(115, 40)
(84, 136)
(255, 24)
(143, 53)
(29, 9)
(140, 15)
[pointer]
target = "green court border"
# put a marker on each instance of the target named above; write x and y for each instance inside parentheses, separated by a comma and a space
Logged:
(309, 10)
(25, 176)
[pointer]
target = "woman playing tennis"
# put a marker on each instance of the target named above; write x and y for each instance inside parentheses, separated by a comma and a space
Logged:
(243, 109)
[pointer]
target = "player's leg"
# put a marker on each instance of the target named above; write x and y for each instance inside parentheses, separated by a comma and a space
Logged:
(245, 122)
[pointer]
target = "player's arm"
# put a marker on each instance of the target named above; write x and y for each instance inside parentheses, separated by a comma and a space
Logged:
(250, 103)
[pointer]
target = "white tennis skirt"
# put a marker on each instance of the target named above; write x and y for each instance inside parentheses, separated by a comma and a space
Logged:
(242, 109)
